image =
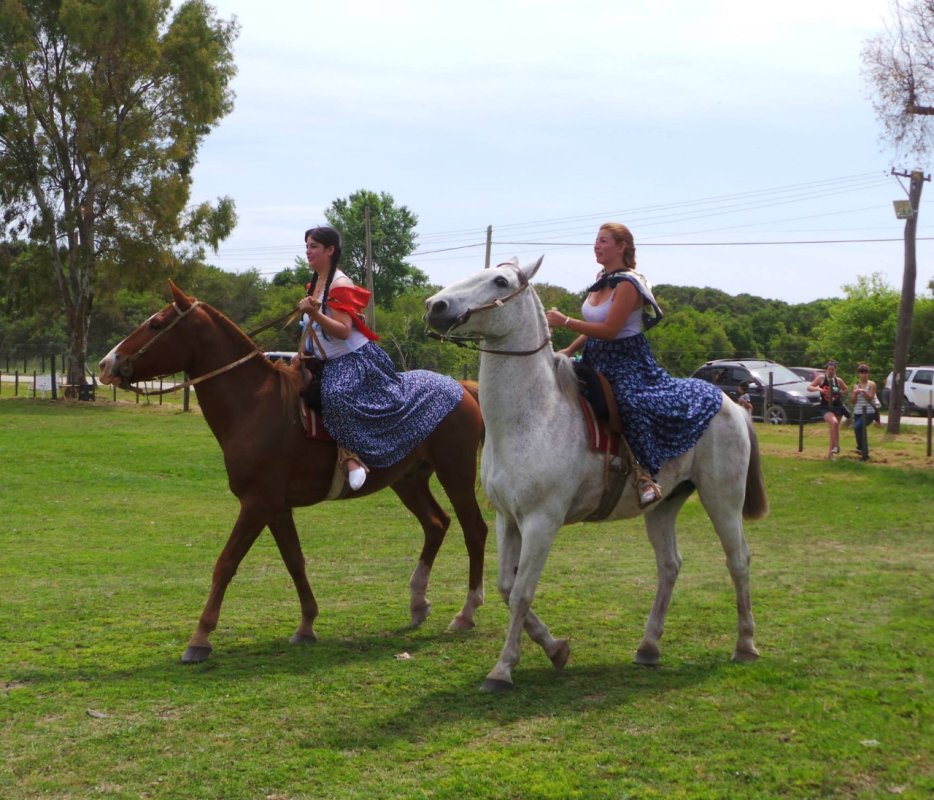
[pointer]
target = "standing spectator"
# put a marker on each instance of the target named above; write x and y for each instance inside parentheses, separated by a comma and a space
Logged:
(832, 390)
(862, 398)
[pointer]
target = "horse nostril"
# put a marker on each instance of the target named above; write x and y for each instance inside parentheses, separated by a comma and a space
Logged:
(436, 308)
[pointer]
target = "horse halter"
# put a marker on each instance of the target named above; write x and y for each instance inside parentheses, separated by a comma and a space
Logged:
(499, 302)
(126, 368)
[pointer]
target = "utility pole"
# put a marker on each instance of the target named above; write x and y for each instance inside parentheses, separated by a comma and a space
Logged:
(489, 242)
(907, 305)
(371, 305)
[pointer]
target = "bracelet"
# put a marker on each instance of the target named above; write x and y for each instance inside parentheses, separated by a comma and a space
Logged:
(567, 320)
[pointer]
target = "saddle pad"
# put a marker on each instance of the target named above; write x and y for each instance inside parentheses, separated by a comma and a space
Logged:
(600, 436)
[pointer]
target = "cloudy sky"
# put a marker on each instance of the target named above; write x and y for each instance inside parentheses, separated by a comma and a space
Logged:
(736, 139)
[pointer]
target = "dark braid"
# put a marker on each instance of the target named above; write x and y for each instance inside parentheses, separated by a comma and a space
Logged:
(327, 286)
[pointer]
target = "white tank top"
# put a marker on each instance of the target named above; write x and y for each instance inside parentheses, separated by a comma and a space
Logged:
(631, 327)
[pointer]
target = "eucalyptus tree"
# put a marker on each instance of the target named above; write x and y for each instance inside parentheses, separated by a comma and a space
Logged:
(103, 106)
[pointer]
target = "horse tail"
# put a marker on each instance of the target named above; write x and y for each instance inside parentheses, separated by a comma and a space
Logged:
(472, 388)
(756, 505)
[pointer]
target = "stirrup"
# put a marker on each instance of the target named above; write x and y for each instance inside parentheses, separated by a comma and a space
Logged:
(649, 492)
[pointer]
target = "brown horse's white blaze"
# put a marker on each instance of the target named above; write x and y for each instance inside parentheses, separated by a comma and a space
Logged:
(277, 468)
(539, 473)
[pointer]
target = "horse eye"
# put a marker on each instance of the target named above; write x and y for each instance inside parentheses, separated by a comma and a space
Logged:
(154, 324)
(500, 281)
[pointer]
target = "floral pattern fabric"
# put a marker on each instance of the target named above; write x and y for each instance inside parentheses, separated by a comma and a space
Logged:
(662, 416)
(380, 414)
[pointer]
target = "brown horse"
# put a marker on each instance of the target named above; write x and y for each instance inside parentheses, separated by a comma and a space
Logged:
(252, 407)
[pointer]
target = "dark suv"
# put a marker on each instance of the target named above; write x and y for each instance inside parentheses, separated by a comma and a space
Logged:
(790, 400)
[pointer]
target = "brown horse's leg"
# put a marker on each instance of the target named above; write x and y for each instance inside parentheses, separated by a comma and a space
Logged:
(415, 494)
(282, 526)
(453, 447)
(248, 526)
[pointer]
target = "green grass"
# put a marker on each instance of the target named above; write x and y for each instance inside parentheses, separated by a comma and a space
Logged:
(112, 516)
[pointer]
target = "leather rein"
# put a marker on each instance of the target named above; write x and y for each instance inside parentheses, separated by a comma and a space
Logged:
(126, 368)
(499, 302)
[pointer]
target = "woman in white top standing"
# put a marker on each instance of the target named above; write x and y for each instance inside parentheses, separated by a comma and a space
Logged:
(663, 417)
(862, 398)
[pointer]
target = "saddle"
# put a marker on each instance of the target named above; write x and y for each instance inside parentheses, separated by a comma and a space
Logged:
(599, 407)
(605, 427)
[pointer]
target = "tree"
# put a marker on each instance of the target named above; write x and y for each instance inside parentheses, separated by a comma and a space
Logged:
(103, 105)
(392, 233)
(861, 327)
(899, 65)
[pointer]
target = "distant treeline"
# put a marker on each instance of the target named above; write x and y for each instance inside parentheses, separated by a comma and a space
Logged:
(700, 323)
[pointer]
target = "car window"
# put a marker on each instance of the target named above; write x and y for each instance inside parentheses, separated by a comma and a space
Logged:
(923, 376)
(738, 374)
(780, 374)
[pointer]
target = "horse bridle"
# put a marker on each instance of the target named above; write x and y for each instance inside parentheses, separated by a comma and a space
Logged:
(499, 302)
(126, 368)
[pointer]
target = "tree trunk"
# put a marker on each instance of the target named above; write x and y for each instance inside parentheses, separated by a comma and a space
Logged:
(906, 307)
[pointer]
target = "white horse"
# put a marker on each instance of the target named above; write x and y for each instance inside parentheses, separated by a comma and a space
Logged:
(539, 472)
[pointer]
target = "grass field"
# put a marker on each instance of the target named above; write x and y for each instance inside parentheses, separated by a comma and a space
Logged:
(111, 516)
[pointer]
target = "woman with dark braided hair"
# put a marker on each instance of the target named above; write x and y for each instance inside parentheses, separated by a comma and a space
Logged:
(662, 416)
(373, 412)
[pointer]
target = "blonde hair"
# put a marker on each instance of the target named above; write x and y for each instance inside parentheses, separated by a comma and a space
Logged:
(623, 237)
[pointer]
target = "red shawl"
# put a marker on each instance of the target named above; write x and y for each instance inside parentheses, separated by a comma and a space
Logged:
(352, 300)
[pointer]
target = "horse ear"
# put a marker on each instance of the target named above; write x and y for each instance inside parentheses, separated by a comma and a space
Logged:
(182, 300)
(530, 269)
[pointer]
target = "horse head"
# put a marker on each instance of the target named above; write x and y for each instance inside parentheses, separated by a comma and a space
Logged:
(475, 304)
(160, 346)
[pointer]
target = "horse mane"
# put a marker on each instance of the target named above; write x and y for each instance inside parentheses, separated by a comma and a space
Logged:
(287, 377)
(564, 367)
(566, 377)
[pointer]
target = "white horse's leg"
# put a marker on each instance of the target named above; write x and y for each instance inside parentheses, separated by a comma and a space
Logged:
(722, 493)
(522, 557)
(734, 544)
(660, 527)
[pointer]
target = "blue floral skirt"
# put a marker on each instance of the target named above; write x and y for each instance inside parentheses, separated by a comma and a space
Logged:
(662, 416)
(378, 413)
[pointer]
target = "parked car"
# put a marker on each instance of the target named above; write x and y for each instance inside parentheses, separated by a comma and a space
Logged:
(919, 382)
(790, 399)
(807, 373)
(279, 355)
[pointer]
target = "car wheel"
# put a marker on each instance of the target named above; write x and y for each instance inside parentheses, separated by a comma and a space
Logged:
(776, 415)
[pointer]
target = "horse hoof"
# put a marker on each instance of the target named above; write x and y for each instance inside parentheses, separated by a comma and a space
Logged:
(420, 614)
(303, 638)
(648, 657)
(496, 686)
(461, 623)
(561, 655)
(195, 654)
(745, 656)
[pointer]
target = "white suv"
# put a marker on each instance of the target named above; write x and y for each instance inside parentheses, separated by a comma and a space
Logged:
(919, 384)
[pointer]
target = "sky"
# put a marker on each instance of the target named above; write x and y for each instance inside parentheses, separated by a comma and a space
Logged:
(736, 140)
